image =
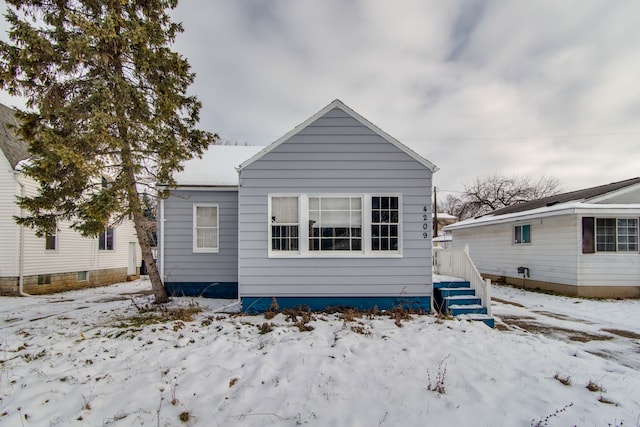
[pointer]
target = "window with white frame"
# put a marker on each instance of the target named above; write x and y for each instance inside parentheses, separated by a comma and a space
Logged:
(385, 223)
(105, 240)
(284, 223)
(335, 223)
(522, 234)
(338, 225)
(616, 234)
(205, 228)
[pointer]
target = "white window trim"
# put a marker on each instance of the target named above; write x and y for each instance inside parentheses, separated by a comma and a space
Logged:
(616, 252)
(303, 231)
(194, 233)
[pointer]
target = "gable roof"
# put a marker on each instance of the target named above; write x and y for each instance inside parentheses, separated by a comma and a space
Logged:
(340, 105)
(587, 194)
(584, 201)
(14, 149)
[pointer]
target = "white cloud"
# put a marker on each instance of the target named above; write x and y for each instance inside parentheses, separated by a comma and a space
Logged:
(476, 87)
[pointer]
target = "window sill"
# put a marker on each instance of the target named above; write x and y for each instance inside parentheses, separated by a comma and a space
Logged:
(206, 251)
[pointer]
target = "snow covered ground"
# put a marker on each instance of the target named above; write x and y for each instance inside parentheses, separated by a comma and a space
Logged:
(86, 358)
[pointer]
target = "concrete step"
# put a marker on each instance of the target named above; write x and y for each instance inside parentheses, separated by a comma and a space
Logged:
(456, 310)
(487, 320)
(451, 284)
(450, 292)
(460, 300)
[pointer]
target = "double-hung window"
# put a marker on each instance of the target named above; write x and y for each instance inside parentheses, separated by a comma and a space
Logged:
(616, 234)
(105, 240)
(316, 225)
(385, 223)
(205, 228)
(284, 223)
(522, 234)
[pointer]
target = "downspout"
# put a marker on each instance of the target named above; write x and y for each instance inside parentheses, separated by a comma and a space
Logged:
(21, 292)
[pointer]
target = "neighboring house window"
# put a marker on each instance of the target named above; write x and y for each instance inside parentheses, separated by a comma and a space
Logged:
(385, 223)
(105, 240)
(616, 234)
(522, 234)
(335, 225)
(205, 228)
(285, 225)
(51, 241)
(627, 235)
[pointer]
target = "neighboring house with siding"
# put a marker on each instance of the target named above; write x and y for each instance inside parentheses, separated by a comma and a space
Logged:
(582, 243)
(59, 262)
(336, 212)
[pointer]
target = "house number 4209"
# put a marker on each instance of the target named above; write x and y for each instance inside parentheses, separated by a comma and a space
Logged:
(425, 224)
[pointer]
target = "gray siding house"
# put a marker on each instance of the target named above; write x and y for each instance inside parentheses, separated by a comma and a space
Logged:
(334, 213)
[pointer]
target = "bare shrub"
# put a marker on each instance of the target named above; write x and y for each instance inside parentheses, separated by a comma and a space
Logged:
(437, 384)
(563, 380)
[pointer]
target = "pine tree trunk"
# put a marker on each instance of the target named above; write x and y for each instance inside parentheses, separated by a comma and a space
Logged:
(139, 222)
(159, 291)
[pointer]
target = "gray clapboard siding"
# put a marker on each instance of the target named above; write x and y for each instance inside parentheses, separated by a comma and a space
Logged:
(334, 155)
(181, 263)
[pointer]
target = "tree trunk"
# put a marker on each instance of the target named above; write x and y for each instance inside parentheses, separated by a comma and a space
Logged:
(159, 291)
(139, 221)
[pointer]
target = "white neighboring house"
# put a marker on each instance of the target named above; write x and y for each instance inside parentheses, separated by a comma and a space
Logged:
(64, 261)
(581, 243)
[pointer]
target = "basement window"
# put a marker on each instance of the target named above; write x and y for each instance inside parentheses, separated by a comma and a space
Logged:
(82, 276)
(44, 279)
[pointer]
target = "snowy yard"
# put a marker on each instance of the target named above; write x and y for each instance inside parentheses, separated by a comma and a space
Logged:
(87, 358)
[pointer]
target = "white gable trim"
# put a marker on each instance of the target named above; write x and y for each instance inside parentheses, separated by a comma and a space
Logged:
(340, 105)
(603, 197)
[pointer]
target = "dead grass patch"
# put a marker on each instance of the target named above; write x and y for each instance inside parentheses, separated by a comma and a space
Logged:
(623, 333)
(566, 380)
(150, 314)
(504, 301)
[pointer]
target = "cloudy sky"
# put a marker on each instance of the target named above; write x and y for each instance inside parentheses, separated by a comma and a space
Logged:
(476, 87)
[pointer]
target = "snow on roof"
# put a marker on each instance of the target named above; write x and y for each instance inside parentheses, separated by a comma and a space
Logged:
(217, 167)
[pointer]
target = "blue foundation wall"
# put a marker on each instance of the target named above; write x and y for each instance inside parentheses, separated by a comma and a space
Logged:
(223, 290)
(262, 304)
